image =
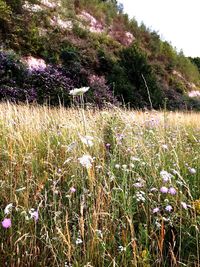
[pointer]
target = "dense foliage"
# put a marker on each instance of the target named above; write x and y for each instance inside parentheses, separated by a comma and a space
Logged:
(147, 72)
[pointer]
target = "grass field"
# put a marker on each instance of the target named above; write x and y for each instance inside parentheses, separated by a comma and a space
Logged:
(99, 188)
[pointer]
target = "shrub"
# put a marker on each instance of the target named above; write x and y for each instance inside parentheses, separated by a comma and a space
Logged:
(52, 85)
(17, 83)
(135, 64)
(100, 93)
(12, 70)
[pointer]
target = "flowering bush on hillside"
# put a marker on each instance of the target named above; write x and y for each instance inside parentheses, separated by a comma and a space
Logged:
(101, 92)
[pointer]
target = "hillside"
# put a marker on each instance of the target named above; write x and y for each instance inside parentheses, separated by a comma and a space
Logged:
(49, 47)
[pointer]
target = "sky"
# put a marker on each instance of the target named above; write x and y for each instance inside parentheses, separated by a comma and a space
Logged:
(176, 21)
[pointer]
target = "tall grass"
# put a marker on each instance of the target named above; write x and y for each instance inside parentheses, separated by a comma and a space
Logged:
(112, 213)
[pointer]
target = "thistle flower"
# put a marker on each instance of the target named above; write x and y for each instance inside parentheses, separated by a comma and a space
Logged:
(79, 91)
(165, 176)
(168, 208)
(155, 210)
(172, 191)
(6, 223)
(72, 189)
(164, 189)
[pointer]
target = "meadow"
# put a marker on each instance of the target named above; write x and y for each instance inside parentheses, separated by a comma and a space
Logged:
(99, 188)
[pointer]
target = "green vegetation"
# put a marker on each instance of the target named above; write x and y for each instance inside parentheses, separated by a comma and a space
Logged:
(89, 188)
(142, 71)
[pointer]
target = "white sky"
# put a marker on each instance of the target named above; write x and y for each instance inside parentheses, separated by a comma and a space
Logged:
(177, 21)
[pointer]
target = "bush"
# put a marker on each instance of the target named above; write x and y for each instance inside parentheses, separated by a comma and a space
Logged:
(100, 93)
(12, 70)
(17, 83)
(52, 85)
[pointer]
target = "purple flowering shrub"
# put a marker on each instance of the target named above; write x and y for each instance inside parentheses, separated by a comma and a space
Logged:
(50, 84)
(20, 84)
(100, 93)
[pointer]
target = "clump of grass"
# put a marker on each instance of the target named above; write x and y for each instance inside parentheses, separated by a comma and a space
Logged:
(119, 188)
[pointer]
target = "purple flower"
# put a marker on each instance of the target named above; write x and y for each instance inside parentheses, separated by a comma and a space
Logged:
(155, 210)
(6, 223)
(172, 191)
(184, 205)
(192, 170)
(72, 189)
(164, 189)
(138, 185)
(168, 208)
(166, 176)
(35, 215)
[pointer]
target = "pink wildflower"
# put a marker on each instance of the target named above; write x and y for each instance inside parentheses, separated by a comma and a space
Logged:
(6, 223)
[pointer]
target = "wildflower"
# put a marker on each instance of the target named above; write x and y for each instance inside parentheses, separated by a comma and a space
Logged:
(192, 170)
(86, 161)
(72, 189)
(121, 248)
(87, 140)
(135, 159)
(165, 176)
(138, 185)
(8, 208)
(79, 241)
(184, 205)
(168, 208)
(164, 190)
(165, 147)
(172, 191)
(140, 196)
(155, 210)
(34, 214)
(6, 223)
(79, 91)
(117, 166)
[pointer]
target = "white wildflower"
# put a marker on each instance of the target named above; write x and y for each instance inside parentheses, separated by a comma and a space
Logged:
(192, 170)
(87, 140)
(8, 208)
(140, 196)
(121, 248)
(79, 91)
(135, 159)
(117, 166)
(86, 161)
(79, 241)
